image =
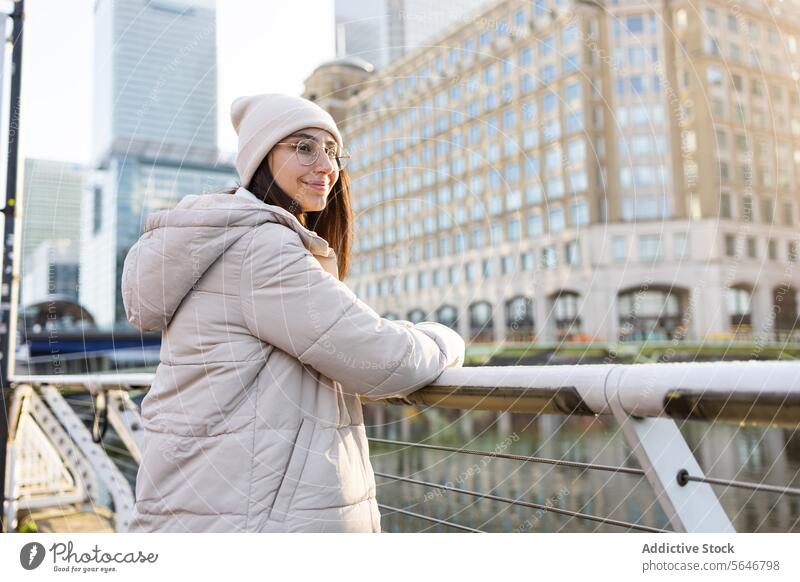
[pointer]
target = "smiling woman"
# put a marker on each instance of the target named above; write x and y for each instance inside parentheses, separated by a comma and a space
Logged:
(301, 161)
(253, 421)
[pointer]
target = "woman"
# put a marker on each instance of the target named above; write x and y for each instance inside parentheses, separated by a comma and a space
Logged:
(253, 421)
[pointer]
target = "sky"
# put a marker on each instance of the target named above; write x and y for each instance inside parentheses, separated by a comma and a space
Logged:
(263, 46)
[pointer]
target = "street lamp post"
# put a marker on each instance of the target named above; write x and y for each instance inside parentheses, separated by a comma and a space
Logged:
(9, 276)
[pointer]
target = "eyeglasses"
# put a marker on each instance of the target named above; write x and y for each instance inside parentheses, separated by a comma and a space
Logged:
(307, 151)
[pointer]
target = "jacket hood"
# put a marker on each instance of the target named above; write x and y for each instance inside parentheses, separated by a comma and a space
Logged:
(179, 245)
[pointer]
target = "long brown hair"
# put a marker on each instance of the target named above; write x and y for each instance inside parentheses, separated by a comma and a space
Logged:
(333, 223)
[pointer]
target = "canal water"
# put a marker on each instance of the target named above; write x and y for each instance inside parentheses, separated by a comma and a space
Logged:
(769, 456)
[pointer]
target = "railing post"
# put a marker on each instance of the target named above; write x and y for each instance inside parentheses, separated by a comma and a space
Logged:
(15, 409)
(663, 453)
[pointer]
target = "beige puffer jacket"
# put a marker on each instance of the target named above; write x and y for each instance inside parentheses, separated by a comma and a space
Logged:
(253, 422)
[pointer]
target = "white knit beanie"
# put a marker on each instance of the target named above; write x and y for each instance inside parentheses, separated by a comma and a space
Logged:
(261, 121)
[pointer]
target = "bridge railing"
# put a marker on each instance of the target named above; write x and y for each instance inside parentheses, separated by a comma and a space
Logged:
(53, 455)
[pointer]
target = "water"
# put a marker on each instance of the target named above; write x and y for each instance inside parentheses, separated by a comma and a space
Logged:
(770, 456)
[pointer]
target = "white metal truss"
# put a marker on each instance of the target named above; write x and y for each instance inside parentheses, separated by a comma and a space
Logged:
(45, 467)
(123, 414)
(106, 470)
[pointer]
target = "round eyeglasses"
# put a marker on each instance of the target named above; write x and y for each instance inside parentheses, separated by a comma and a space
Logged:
(307, 151)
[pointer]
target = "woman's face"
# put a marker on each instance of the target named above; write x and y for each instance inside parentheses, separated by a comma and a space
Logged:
(308, 185)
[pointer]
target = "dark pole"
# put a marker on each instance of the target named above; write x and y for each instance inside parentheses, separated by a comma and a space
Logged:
(8, 276)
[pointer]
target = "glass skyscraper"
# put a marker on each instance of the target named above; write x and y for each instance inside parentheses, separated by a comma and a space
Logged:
(155, 136)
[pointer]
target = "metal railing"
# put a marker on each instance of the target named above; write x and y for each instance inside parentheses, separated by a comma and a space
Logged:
(645, 399)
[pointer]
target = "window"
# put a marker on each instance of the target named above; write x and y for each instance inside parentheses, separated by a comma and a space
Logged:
(714, 76)
(767, 208)
(525, 56)
(580, 213)
(552, 158)
(574, 121)
(533, 193)
(747, 208)
(572, 253)
(569, 34)
(486, 268)
(730, 245)
(97, 214)
(649, 247)
(549, 258)
(556, 220)
(635, 23)
(495, 233)
(546, 46)
(477, 237)
(527, 262)
(752, 247)
(452, 274)
(469, 272)
(535, 227)
(725, 206)
(576, 151)
(555, 187)
(549, 102)
(788, 214)
(572, 91)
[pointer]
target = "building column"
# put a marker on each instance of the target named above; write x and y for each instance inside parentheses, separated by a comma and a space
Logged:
(499, 321)
(705, 321)
(544, 324)
(763, 315)
(598, 309)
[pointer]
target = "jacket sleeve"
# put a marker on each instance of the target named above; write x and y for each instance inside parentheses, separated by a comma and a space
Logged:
(289, 301)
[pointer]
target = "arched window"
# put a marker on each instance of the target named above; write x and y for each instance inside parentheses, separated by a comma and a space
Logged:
(447, 315)
(481, 325)
(652, 314)
(519, 319)
(416, 315)
(390, 315)
(565, 313)
(740, 310)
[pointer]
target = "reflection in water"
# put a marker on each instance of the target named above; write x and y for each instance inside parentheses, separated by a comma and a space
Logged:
(770, 456)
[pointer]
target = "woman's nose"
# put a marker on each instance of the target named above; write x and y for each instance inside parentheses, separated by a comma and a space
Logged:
(325, 164)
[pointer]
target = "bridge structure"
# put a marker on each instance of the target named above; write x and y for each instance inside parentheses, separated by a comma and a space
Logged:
(58, 465)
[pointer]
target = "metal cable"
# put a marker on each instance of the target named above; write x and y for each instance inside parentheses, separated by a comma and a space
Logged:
(524, 458)
(428, 518)
(684, 477)
(529, 504)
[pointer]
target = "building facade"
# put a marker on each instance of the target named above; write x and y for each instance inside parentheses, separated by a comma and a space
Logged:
(570, 171)
(382, 31)
(51, 271)
(52, 192)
